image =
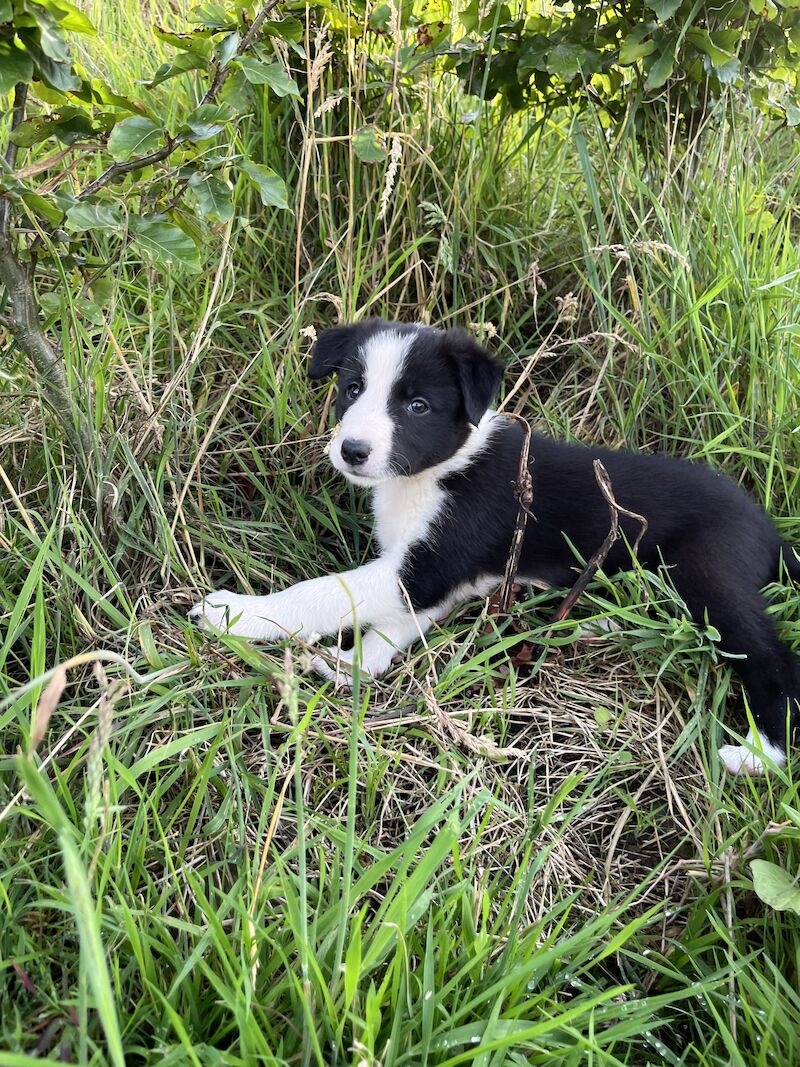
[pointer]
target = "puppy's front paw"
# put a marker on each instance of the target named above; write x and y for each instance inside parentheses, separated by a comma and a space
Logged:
(336, 669)
(221, 610)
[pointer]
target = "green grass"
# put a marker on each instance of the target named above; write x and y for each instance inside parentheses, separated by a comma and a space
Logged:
(224, 862)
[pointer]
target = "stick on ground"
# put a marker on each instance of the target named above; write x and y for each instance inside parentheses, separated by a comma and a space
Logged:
(599, 557)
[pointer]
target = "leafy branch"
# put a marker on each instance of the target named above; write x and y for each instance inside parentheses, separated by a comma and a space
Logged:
(41, 225)
(118, 170)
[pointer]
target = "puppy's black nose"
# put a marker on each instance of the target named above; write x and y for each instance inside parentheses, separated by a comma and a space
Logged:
(355, 452)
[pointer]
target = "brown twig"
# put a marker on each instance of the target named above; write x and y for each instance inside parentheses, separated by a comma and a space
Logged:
(599, 557)
(523, 491)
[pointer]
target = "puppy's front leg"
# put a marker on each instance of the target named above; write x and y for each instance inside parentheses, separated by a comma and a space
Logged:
(378, 646)
(318, 606)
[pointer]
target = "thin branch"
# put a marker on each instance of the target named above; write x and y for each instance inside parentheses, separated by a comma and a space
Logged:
(245, 43)
(523, 491)
(20, 99)
(599, 558)
(26, 328)
(117, 170)
(23, 323)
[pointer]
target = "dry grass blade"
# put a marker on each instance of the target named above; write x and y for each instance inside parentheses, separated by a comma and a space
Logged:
(48, 702)
(478, 746)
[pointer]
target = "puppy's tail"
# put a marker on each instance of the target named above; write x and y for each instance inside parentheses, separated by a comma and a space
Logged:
(791, 562)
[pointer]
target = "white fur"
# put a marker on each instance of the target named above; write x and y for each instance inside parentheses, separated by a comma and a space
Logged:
(742, 758)
(380, 644)
(406, 508)
(325, 605)
(368, 418)
(371, 596)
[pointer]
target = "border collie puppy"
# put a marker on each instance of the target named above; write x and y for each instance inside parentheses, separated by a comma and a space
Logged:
(415, 426)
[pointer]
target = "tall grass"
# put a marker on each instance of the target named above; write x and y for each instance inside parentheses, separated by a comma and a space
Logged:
(251, 868)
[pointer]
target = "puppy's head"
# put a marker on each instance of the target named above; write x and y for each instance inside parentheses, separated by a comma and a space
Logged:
(408, 395)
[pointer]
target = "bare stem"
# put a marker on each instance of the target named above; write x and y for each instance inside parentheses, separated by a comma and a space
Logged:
(23, 322)
(20, 98)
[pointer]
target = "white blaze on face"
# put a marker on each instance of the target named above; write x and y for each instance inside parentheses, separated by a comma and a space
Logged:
(368, 418)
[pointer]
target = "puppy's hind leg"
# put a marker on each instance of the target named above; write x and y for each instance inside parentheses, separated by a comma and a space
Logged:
(768, 668)
(771, 676)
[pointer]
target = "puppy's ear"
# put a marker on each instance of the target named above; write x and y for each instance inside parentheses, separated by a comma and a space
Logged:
(331, 350)
(479, 374)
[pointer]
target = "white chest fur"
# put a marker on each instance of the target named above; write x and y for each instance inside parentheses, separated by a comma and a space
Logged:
(405, 509)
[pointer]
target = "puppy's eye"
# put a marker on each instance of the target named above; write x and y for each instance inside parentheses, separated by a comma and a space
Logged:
(418, 406)
(353, 390)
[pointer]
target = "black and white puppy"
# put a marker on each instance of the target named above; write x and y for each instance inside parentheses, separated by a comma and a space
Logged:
(415, 426)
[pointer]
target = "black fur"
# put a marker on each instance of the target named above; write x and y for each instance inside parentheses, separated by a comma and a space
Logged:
(448, 368)
(721, 548)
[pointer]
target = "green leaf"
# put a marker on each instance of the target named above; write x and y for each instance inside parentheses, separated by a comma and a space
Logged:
(634, 47)
(102, 290)
(369, 144)
(196, 41)
(183, 62)
(729, 72)
(33, 131)
(44, 206)
(59, 76)
(213, 197)
(5, 11)
(792, 112)
(664, 9)
(15, 66)
(566, 60)
(133, 137)
(237, 92)
(272, 74)
(89, 311)
(227, 50)
(71, 18)
(271, 186)
(775, 886)
(74, 125)
(51, 37)
(288, 29)
(165, 244)
(701, 39)
(211, 14)
(533, 54)
(205, 121)
(662, 67)
(603, 717)
(97, 92)
(88, 216)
